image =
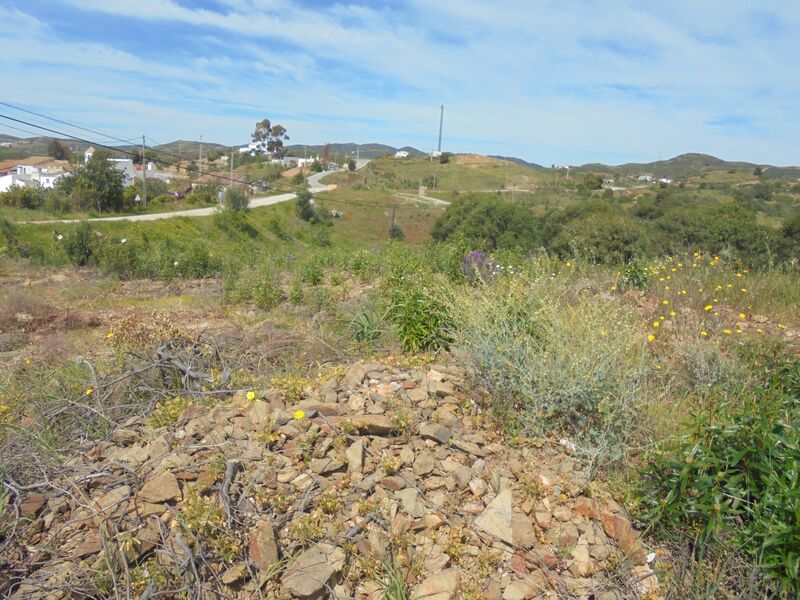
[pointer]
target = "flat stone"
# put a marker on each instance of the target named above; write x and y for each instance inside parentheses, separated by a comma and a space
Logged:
(353, 376)
(367, 424)
(496, 520)
(409, 499)
(355, 457)
(262, 549)
(91, 545)
(32, 504)
(321, 408)
(322, 466)
(441, 586)
(162, 488)
(436, 432)
(109, 503)
(234, 574)
(417, 395)
(308, 576)
(393, 483)
(518, 590)
(522, 529)
(424, 463)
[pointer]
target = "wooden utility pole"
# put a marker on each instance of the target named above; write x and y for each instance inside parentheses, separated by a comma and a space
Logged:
(231, 166)
(144, 176)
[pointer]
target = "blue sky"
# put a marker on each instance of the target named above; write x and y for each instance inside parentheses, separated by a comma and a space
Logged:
(564, 82)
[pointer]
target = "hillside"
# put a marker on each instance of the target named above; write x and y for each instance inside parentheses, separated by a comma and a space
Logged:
(350, 149)
(517, 161)
(689, 165)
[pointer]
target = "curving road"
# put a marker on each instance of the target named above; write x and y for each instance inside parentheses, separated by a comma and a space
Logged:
(314, 186)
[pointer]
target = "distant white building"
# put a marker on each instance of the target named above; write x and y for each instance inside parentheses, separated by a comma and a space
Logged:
(665, 181)
(254, 148)
(401, 154)
(646, 178)
(39, 172)
(88, 154)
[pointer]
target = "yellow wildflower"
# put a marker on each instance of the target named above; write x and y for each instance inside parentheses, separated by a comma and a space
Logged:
(109, 335)
(665, 302)
(727, 331)
(656, 323)
(89, 391)
(299, 414)
(708, 307)
(251, 395)
(651, 338)
(742, 316)
(704, 333)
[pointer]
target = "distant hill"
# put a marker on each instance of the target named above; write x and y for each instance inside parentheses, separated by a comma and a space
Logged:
(350, 149)
(689, 165)
(517, 161)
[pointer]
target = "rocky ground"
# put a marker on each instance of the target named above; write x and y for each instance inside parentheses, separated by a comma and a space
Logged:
(378, 478)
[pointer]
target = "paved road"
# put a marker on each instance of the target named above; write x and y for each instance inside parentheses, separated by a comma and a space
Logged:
(314, 186)
(191, 212)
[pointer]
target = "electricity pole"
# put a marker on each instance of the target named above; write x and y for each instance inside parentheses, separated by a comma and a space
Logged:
(441, 122)
(231, 166)
(144, 176)
(200, 156)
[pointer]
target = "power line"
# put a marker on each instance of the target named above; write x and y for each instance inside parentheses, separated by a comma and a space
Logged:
(33, 112)
(121, 151)
(36, 133)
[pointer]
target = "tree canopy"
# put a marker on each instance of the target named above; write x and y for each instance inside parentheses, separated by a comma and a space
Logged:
(97, 184)
(271, 135)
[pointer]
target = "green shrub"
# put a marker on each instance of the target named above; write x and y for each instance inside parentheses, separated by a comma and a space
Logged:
(119, 259)
(235, 200)
(555, 363)
(266, 291)
(312, 270)
(418, 306)
(365, 327)
(196, 261)
(78, 244)
(736, 475)
(634, 275)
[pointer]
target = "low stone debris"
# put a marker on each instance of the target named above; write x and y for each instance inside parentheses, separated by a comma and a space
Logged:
(376, 474)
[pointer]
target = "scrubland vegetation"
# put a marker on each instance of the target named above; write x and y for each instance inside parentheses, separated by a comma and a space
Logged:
(657, 335)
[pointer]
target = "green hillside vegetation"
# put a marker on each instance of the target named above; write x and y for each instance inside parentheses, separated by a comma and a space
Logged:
(653, 331)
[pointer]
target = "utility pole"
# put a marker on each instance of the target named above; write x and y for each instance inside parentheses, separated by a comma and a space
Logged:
(441, 122)
(394, 214)
(144, 176)
(200, 156)
(231, 166)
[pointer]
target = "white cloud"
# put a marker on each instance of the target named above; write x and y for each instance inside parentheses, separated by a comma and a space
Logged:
(573, 81)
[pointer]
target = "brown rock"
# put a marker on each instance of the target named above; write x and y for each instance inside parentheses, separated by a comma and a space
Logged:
(308, 576)
(437, 433)
(90, 545)
(162, 488)
(522, 530)
(367, 424)
(32, 504)
(262, 549)
(441, 586)
(424, 463)
(586, 507)
(497, 518)
(355, 457)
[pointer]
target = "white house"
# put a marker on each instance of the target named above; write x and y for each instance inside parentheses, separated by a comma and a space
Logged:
(401, 154)
(88, 154)
(35, 173)
(254, 148)
(646, 178)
